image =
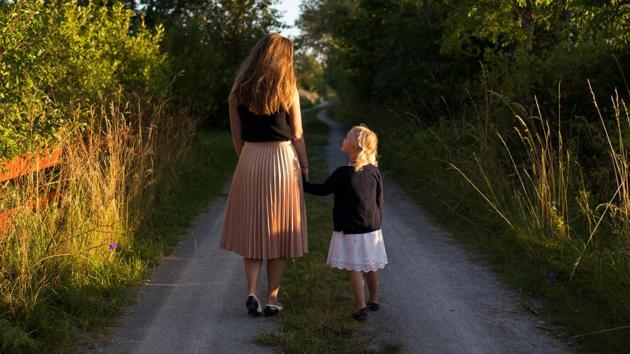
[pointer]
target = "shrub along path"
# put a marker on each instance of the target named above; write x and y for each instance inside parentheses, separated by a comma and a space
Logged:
(435, 297)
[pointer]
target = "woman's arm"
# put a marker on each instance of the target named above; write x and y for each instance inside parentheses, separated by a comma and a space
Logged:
(235, 127)
(298, 134)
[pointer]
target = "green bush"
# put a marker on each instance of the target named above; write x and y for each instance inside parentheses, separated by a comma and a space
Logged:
(56, 57)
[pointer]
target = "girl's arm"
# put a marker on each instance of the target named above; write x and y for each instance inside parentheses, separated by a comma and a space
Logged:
(328, 187)
(235, 127)
(379, 193)
(298, 134)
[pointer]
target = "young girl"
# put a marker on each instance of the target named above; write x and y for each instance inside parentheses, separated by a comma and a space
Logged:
(357, 241)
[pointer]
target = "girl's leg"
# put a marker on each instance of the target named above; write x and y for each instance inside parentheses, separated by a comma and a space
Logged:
(275, 270)
(252, 270)
(373, 283)
(358, 288)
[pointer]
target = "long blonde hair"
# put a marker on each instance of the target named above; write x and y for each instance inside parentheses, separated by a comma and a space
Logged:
(265, 82)
(367, 141)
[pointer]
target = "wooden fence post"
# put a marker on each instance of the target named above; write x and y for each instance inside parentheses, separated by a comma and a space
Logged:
(24, 165)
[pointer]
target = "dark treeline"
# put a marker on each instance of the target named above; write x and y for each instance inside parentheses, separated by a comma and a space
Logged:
(440, 59)
(206, 40)
(428, 51)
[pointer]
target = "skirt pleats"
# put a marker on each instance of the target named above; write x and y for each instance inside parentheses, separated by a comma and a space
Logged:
(265, 216)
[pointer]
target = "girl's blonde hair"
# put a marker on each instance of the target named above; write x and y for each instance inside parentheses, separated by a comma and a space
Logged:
(265, 82)
(367, 141)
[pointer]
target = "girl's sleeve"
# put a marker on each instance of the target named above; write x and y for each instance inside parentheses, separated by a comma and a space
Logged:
(379, 193)
(328, 187)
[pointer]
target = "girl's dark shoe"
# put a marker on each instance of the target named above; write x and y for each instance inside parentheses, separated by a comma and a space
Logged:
(373, 306)
(272, 310)
(253, 305)
(361, 315)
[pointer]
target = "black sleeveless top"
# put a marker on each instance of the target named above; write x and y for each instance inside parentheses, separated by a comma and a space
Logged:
(262, 128)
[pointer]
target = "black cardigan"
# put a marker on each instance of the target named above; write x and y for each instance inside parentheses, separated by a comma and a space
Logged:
(358, 204)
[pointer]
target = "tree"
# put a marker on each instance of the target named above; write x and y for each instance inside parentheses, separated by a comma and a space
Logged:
(207, 40)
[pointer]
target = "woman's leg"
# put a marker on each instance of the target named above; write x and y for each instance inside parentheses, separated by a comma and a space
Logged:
(275, 270)
(358, 288)
(373, 283)
(252, 270)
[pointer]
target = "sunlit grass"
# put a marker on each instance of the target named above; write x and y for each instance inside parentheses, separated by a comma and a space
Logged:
(121, 202)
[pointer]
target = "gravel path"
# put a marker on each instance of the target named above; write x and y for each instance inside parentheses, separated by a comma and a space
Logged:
(194, 302)
(435, 297)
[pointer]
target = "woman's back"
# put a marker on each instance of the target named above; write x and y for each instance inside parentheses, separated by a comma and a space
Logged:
(262, 127)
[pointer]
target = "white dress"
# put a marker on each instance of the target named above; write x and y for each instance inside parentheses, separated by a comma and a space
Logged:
(357, 252)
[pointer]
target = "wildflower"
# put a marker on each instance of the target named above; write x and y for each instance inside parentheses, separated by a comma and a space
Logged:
(112, 246)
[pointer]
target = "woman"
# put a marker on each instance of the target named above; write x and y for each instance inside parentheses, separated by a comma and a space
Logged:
(265, 217)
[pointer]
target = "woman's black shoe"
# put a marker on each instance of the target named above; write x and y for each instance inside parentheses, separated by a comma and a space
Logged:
(373, 306)
(272, 310)
(361, 315)
(253, 305)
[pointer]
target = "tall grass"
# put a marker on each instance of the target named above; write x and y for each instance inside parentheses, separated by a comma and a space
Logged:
(533, 182)
(57, 261)
(536, 184)
(528, 184)
(618, 151)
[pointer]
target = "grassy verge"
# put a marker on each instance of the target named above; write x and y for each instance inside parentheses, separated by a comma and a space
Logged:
(593, 306)
(205, 172)
(208, 166)
(318, 298)
(67, 270)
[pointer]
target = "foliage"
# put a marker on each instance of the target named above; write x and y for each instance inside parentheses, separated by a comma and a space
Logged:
(57, 56)
(429, 51)
(310, 72)
(89, 75)
(207, 40)
(68, 267)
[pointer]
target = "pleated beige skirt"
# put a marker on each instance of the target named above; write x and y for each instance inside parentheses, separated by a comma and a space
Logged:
(265, 216)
